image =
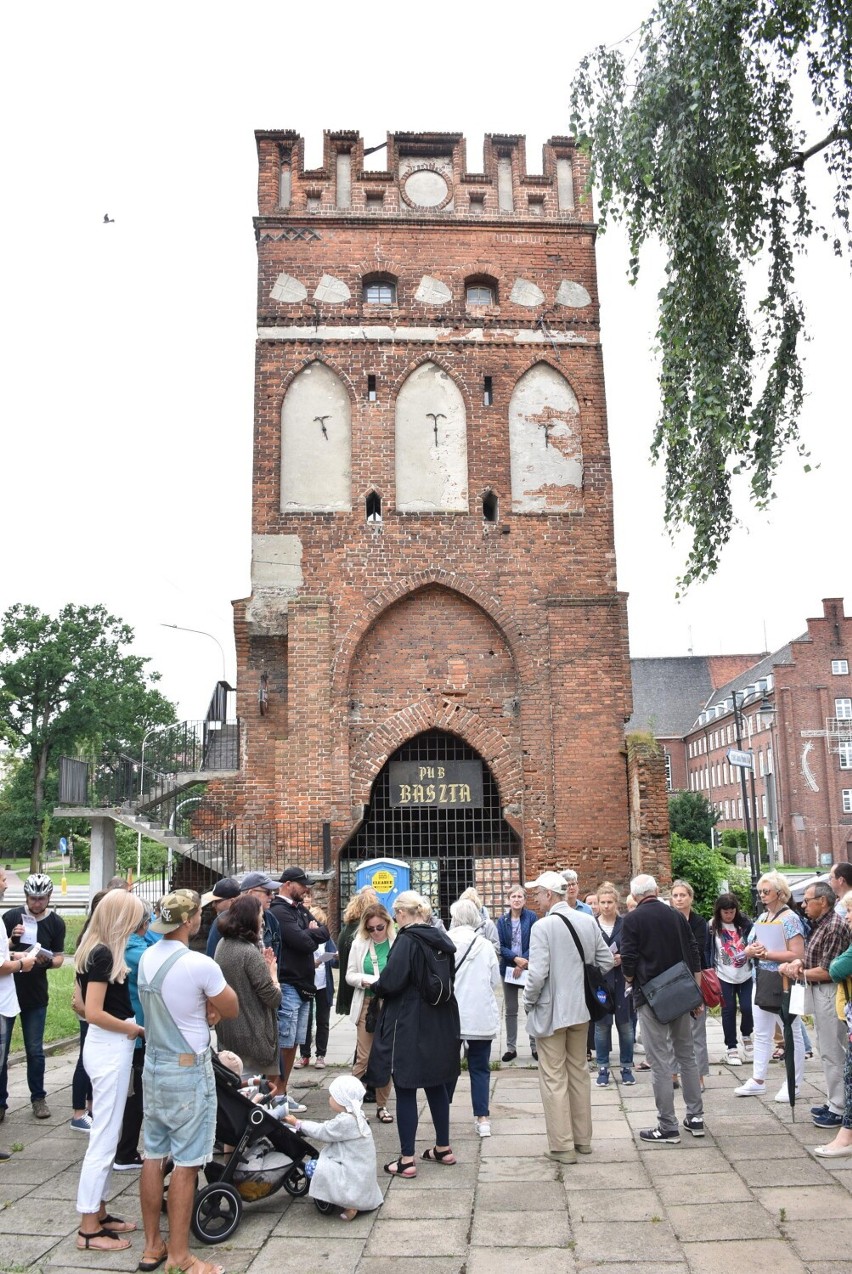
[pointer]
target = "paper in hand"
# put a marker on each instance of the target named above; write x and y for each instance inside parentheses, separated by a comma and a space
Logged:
(772, 937)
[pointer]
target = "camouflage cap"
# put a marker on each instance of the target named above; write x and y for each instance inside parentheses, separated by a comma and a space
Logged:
(175, 909)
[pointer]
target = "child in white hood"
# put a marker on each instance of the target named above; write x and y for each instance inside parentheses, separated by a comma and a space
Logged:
(345, 1173)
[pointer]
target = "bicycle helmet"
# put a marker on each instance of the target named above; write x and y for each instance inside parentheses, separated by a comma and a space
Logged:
(38, 885)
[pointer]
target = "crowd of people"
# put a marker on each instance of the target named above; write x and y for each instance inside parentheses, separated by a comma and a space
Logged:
(422, 999)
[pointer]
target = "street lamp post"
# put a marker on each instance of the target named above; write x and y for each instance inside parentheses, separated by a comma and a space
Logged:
(738, 697)
(201, 632)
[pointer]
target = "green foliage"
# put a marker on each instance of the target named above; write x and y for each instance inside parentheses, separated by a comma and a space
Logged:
(692, 816)
(66, 686)
(154, 855)
(703, 867)
(695, 142)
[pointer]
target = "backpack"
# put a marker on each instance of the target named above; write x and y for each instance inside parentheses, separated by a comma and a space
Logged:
(436, 974)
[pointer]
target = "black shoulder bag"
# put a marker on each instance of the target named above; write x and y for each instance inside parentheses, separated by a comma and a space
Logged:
(600, 1000)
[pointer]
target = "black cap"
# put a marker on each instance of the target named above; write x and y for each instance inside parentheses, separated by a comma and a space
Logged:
(294, 874)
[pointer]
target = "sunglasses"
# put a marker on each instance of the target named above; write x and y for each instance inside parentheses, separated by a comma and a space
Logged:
(375, 928)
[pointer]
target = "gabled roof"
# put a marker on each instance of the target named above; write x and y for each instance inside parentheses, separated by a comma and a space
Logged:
(668, 694)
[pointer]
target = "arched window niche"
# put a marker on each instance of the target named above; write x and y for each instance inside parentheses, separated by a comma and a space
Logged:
(316, 443)
(545, 443)
(431, 444)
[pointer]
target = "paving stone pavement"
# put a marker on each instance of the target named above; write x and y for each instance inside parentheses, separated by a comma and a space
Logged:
(748, 1193)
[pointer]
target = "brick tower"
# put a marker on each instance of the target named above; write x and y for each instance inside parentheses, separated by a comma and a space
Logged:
(433, 660)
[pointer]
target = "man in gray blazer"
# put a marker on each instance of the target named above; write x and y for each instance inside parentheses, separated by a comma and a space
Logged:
(557, 1017)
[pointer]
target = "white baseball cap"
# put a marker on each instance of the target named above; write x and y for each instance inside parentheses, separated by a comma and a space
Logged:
(548, 880)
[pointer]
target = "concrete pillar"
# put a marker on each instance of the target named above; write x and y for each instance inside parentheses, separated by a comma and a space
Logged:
(102, 866)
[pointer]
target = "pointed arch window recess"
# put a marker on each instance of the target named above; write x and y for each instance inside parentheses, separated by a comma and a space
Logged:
(374, 507)
(490, 506)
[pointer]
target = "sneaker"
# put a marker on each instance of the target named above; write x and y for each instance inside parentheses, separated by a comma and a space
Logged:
(828, 1120)
(294, 1107)
(733, 1058)
(483, 1127)
(319, 1063)
(509, 1055)
(603, 1077)
(656, 1136)
(627, 1076)
(41, 1109)
(783, 1096)
(128, 1165)
(751, 1088)
(369, 1095)
(694, 1125)
(748, 1048)
(82, 1124)
(303, 1061)
(534, 1052)
(820, 1110)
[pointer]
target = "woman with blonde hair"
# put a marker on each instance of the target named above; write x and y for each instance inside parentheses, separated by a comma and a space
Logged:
(774, 893)
(351, 920)
(367, 958)
(107, 1057)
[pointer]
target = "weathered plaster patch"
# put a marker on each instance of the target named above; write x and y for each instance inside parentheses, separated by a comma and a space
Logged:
(288, 289)
(572, 294)
(316, 443)
(331, 290)
(526, 293)
(432, 291)
(431, 444)
(545, 443)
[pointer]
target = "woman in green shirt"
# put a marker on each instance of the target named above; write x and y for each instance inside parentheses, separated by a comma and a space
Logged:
(367, 958)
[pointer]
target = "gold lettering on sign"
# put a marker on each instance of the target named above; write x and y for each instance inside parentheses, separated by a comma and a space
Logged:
(404, 794)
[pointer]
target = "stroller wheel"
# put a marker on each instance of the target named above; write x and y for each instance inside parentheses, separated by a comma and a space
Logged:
(296, 1181)
(216, 1212)
(323, 1207)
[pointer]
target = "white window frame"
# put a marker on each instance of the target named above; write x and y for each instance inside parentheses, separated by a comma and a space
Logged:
(843, 709)
(840, 667)
(844, 753)
(846, 798)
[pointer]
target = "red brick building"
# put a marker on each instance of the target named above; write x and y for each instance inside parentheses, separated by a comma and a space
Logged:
(433, 568)
(795, 709)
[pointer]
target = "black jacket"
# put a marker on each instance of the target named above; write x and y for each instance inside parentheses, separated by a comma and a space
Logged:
(416, 1043)
(298, 943)
(655, 937)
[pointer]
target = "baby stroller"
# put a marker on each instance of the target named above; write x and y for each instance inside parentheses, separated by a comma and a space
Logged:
(267, 1156)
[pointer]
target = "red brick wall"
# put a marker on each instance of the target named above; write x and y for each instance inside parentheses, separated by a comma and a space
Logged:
(511, 634)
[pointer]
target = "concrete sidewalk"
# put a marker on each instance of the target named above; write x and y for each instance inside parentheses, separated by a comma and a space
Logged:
(749, 1195)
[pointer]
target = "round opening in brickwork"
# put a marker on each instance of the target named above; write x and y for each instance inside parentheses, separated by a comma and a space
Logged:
(425, 188)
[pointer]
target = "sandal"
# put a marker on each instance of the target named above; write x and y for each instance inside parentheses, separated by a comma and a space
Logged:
(152, 1262)
(778, 1055)
(446, 1157)
(200, 1267)
(114, 1242)
(117, 1224)
(642, 1066)
(397, 1168)
(348, 1214)
(383, 1115)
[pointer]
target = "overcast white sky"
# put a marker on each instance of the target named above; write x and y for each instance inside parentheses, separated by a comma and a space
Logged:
(127, 392)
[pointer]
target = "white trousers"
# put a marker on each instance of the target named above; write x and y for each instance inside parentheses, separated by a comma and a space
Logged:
(764, 1030)
(107, 1057)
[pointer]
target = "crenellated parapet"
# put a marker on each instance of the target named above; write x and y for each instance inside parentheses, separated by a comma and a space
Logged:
(425, 175)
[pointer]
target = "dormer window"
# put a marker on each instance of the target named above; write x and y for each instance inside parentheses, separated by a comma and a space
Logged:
(379, 290)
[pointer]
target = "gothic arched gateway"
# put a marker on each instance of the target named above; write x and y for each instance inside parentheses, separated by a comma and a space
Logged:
(452, 838)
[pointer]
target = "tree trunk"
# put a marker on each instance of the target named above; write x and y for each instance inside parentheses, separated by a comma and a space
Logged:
(38, 801)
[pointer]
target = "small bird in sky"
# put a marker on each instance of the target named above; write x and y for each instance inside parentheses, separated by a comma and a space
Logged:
(108, 220)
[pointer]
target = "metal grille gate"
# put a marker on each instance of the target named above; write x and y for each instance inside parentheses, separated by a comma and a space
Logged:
(448, 849)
